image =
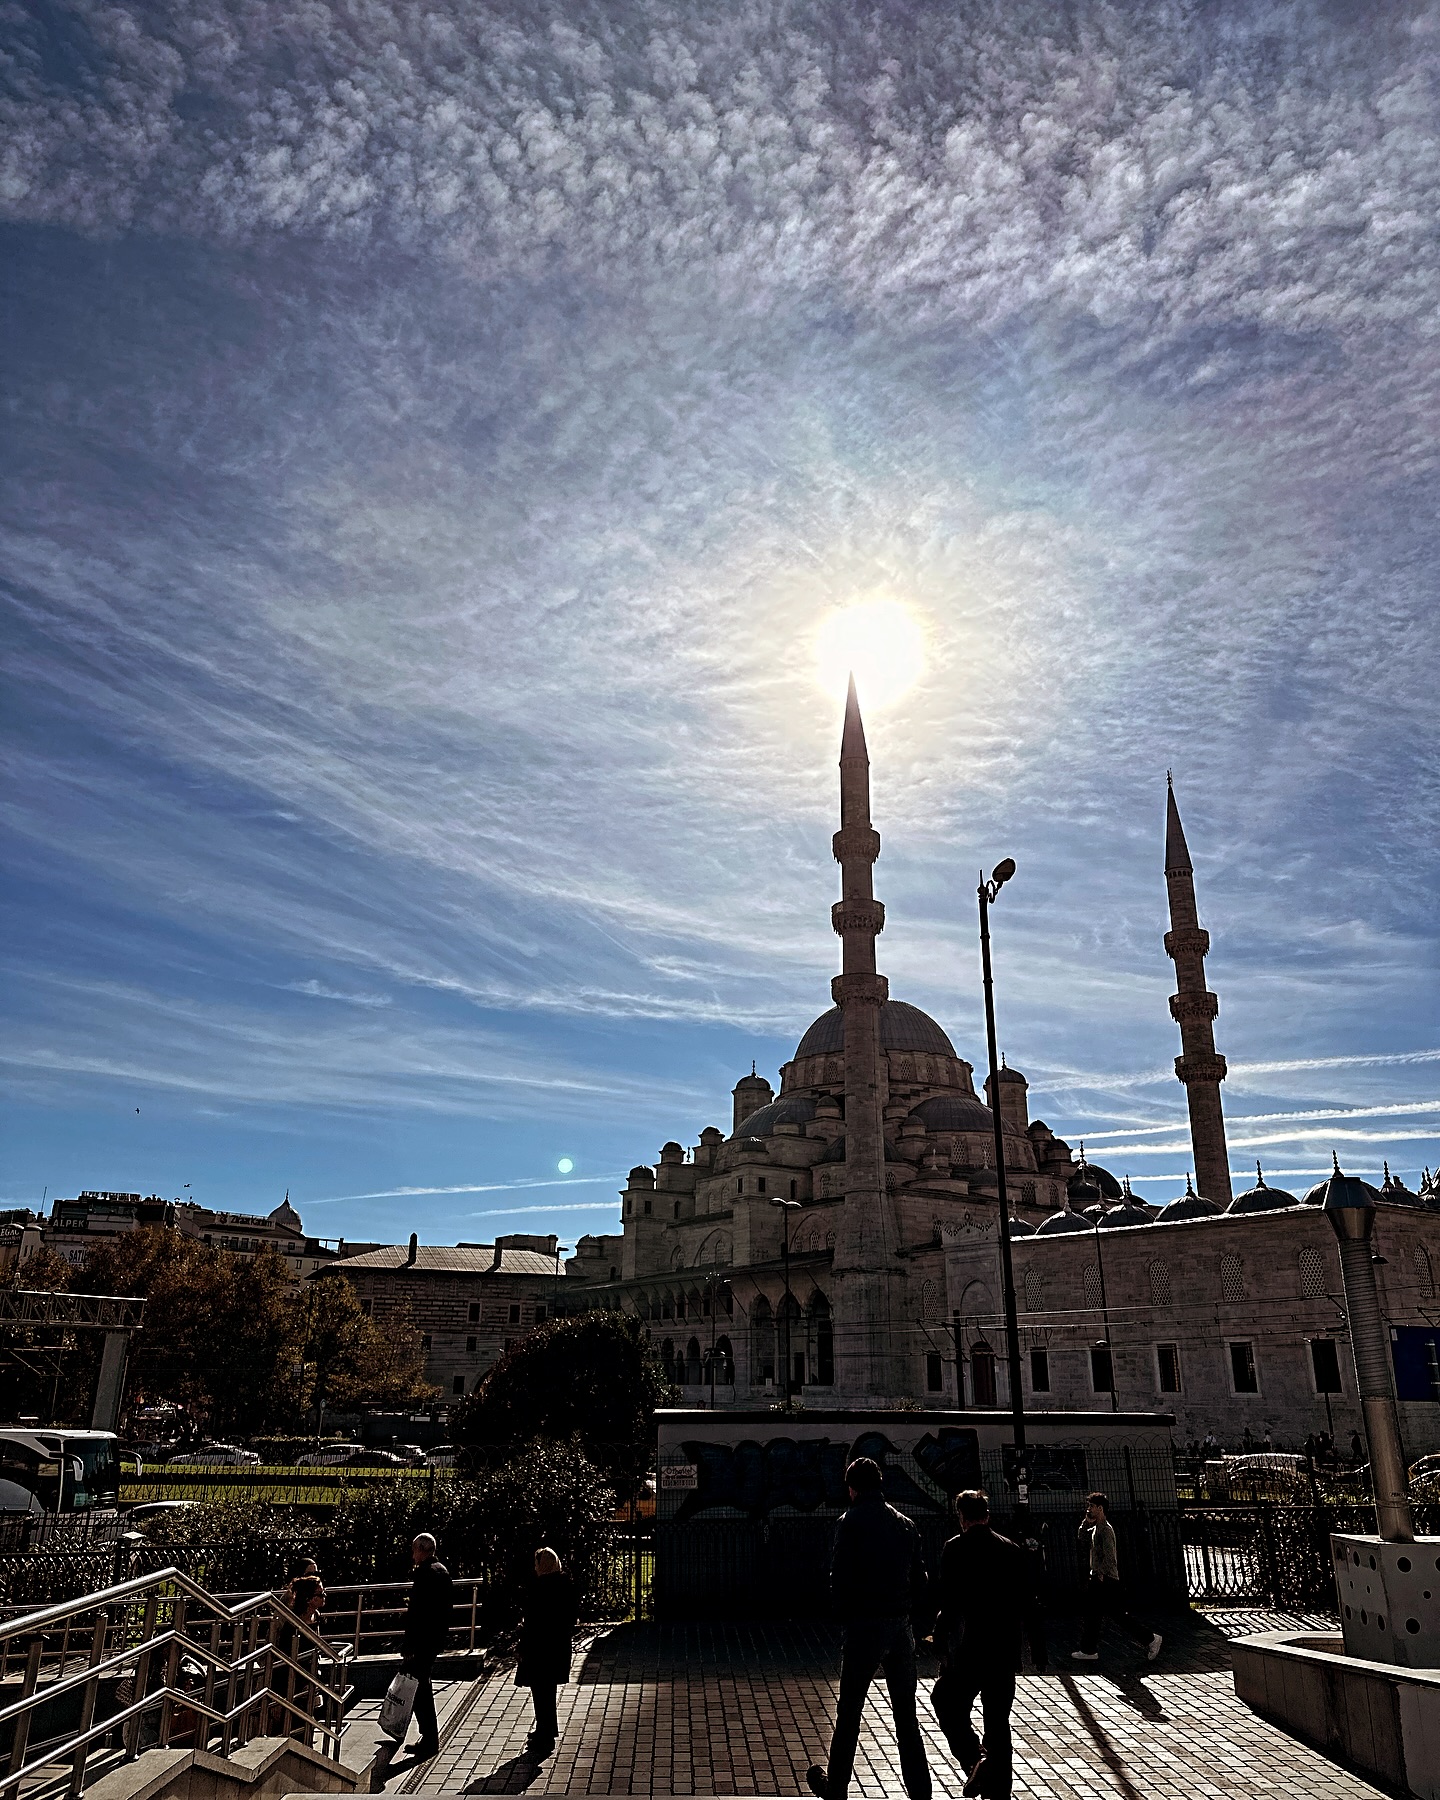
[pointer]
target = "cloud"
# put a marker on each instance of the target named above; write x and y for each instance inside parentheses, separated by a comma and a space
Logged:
(318, 991)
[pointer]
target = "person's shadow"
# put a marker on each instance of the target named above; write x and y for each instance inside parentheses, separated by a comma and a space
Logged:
(511, 1777)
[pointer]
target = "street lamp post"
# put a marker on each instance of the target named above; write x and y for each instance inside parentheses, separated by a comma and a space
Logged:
(786, 1208)
(987, 892)
(1105, 1315)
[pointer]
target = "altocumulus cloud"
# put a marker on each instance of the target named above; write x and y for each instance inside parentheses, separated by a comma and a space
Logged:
(469, 414)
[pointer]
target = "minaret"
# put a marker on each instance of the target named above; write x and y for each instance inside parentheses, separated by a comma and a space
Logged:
(1193, 1008)
(868, 1317)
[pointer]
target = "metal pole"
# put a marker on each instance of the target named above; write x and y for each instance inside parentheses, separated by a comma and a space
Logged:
(987, 892)
(1105, 1314)
(786, 1257)
(712, 1340)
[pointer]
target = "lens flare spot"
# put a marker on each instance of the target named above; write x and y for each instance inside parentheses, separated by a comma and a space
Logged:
(880, 641)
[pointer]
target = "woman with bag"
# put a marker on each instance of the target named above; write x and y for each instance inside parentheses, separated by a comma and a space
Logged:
(545, 1640)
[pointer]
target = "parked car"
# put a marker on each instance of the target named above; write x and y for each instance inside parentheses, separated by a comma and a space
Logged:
(375, 1459)
(442, 1456)
(153, 1512)
(411, 1454)
(328, 1456)
(218, 1455)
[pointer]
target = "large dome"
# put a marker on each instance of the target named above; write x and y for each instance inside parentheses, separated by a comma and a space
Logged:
(902, 1027)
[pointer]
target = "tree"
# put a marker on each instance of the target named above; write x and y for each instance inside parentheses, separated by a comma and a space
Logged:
(352, 1361)
(42, 1272)
(594, 1378)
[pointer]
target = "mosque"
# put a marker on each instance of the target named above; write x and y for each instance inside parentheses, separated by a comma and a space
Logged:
(839, 1246)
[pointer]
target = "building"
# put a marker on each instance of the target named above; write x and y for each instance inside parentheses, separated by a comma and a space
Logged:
(839, 1243)
(469, 1302)
(75, 1226)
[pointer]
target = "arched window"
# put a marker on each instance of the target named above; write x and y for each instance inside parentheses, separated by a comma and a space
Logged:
(667, 1307)
(677, 1209)
(1092, 1284)
(1424, 1274)
(1312, 1273)
(724, 1362)
(762, 1342)
(1232, 1279)
(1159, 1283)
(982, 1373)
(692, 1362)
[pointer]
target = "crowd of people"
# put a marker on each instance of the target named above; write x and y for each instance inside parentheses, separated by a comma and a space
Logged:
(977, 1615)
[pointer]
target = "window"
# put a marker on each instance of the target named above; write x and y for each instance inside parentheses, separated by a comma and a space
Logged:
(760, 1184)
(1424, 1274)
(457, 1386)
(367, 1307)
(1325, 1365)
(1092, 1284)
(1027, 1193)
(647, 1206)
(425, 1341)
(1102, 1370)
(793, 1186)
(824, 1349)
(1034, 1292)
(474, 1312)
(1243, 1377)
(1312, 1273)
(740, 1185)
(515, 1313)
(797, 1374)
(1160, 1290)
(934, 1374)
(1232, 1279)
(540, 1310)
(676, 1209)
(1167, 1367)
(982, 1374)
(470, 1345)
(1040, 1371)
(614, 1272)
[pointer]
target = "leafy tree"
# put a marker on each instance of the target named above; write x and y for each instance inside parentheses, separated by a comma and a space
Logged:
(42, 1271)
(351, 1360)
(595, 1379)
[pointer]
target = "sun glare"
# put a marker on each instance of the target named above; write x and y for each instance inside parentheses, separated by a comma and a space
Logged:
(880, 642)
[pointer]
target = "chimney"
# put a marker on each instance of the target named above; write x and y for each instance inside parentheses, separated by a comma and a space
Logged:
(414, 1251)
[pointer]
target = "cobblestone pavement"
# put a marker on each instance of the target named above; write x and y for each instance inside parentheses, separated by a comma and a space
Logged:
(744, 1709)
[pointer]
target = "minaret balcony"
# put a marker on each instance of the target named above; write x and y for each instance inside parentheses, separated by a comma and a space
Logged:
(856, 843)
(1187, 940)
(859, 986)
(1200, 1068)
(1186, 1009)
(857, 915)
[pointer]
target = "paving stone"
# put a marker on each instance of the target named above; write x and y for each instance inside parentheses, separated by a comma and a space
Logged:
(744, 1709)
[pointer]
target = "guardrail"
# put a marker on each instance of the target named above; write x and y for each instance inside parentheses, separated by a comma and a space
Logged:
(175, 1665)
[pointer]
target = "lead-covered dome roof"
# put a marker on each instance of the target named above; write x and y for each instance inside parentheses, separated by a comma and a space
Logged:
(1064, 1220)
(954, 1112)
(1261, 1198)
(902, 1027)
(789, 1109)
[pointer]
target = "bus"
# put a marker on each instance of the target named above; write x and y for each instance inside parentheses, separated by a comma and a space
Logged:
(59, 1475)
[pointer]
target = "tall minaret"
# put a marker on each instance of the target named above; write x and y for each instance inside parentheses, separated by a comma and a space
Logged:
(868, 1317)
(1193, 1008)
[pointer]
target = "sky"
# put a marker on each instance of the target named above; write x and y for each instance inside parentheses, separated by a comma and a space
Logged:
(437, 441)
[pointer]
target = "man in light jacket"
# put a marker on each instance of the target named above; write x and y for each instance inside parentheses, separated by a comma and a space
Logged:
(1103, 1593)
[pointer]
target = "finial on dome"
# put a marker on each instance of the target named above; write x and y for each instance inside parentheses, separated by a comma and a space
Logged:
(1125, 1187)
(1189, 1185)
(752, 1065)
(1336, 1160)
(1259, 1175)
(1387, 1174)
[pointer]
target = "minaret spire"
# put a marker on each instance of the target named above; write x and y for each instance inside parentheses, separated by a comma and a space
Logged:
(864, 1265)
(1193, 1007)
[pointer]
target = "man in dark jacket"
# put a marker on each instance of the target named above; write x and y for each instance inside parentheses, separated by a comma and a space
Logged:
(427, 1626)
(878, 1586)
(987, 1597)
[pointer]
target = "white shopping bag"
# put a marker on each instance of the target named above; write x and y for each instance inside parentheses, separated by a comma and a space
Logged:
(398, 1705)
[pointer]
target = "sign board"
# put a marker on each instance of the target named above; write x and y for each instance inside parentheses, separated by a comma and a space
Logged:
(680, 1475)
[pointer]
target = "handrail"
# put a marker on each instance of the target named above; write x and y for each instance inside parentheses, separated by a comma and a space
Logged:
(259, 1674)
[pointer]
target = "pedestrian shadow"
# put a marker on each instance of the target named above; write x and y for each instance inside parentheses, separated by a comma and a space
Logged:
(1133, 1692)
(1109, 1755)
(511, 1777)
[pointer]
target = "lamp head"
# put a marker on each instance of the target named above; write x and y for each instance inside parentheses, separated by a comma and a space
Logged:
(1002, 871)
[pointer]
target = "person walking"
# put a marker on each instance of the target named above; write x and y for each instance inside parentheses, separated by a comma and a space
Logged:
(546, 1634)
(988, 1597)
(427, 1626)
(1104, 1596)
(879, 1587)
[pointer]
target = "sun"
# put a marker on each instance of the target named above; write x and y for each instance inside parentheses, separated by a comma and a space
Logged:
(565, 1165)
(880, 642)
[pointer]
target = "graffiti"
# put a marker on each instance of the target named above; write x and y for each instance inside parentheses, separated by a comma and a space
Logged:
(951, 1460)
(809, 1473)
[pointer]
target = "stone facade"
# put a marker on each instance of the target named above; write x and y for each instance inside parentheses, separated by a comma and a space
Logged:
(469, 1302)
(840, 1240)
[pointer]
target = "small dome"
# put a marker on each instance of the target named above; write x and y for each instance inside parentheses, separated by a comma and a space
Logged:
(643, 1175)
(1022, 1227)
(1064, 1220)
(1098, 1179)
(1190, 1205)
(954, 1112)
(1314, 1196)
(1261, 1198)
(1343, 1190)
(1131, 1212)
(789, 1109)
(1396, 1191)
(902, 1027)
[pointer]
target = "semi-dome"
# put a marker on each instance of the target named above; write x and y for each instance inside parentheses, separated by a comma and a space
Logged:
(954, 1112)
(1190, 1205)
(789, 1109)
(902, 1027)
(1261, 1198)
(1064, 1220)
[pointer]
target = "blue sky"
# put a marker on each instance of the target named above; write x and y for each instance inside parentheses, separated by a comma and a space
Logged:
(433, 438)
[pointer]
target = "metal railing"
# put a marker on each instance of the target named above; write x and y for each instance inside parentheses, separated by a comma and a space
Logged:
(174, 1666)
(369, 1617)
